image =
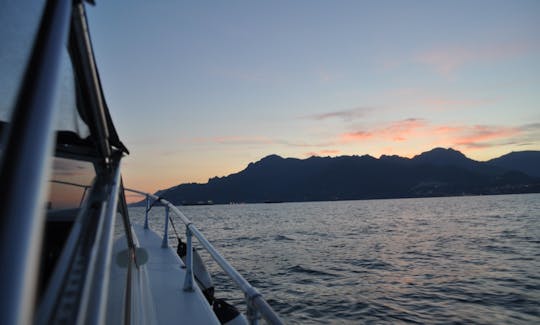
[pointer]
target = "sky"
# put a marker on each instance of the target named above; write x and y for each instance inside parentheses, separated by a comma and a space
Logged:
(199, 89)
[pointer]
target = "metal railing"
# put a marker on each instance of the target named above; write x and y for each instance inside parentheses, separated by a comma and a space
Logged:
(86, 187)
(256, 305)
(77, 291)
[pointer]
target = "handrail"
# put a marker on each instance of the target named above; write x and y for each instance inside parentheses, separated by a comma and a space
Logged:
(255, 302)
(95, 289)
(70, 183)
(86, 187)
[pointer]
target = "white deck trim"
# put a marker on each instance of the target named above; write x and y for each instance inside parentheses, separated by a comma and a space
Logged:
(158, 287)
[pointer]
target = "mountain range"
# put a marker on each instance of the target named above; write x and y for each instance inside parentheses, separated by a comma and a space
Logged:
(438, 172)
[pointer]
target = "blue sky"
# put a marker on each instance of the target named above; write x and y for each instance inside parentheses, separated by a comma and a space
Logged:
(200, 89)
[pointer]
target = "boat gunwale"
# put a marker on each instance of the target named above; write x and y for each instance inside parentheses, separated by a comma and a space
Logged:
(257, 306)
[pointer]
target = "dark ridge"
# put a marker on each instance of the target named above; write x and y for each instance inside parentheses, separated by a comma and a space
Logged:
(527, 162)
(438, 172)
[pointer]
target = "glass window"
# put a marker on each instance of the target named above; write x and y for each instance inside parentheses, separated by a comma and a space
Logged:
(66, 172)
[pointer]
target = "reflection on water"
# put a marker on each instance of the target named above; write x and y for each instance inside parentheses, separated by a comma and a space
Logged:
(430, 260)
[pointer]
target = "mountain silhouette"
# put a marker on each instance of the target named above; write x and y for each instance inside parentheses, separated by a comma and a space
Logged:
(438, 172)
(444, 157)
(527, 162)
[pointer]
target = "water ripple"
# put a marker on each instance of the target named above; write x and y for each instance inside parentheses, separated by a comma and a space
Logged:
(463, 260)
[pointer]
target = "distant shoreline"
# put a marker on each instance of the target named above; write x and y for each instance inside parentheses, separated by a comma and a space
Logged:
(140, 204)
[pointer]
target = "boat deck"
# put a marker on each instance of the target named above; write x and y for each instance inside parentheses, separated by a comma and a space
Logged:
(157, 286)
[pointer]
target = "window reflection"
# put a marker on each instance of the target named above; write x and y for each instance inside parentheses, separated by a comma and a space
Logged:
(63, 195)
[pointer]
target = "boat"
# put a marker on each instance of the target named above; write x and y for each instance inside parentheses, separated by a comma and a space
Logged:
(88, 263)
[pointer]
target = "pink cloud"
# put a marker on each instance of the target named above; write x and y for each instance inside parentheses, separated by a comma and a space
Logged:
(397, 131)
(481, 136)
(446, 129)
(401, 130)
(476, 136)
(356, 136)
(419, 131)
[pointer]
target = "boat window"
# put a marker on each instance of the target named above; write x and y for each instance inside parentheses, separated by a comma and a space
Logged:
(19, 24)
(68, 181)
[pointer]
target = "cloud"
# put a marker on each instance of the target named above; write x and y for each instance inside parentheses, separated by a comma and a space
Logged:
(322, 153)
(401, 135)
(356, 136)
(485, 136)
(482, 136)
(396, 131)
(447, 60)
(346, 115)
(531, 127)
(401, 130)
(415, 130)
(477, 136)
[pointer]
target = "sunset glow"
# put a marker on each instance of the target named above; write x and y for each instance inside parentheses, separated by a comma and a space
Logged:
(199, 90)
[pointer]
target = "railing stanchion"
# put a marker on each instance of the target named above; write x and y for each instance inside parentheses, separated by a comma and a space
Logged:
(146, 214)
(165, 242)
(188, 281)
(257, 307)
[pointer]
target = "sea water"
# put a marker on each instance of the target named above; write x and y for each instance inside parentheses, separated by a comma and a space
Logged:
(473, 260)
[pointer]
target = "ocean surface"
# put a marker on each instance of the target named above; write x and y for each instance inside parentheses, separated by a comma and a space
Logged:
(471, 260)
